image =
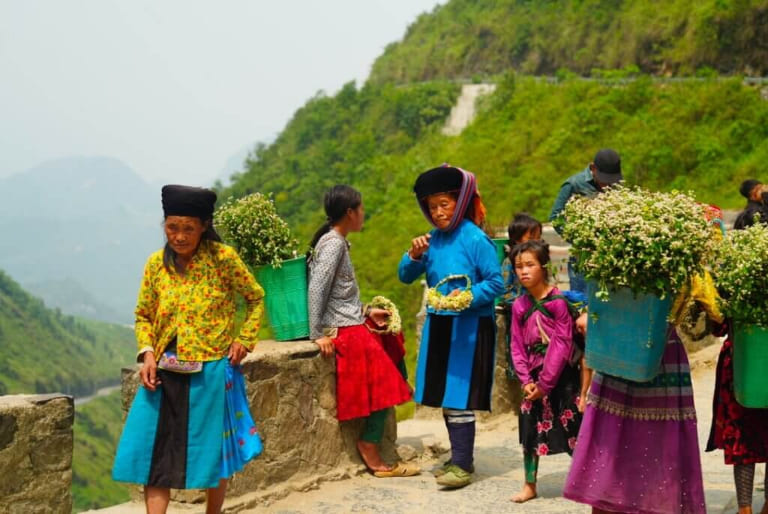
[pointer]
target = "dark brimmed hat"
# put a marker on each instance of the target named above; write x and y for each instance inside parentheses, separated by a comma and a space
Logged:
(188, 201)
(608, 166)
(443, 179)
(747, 186)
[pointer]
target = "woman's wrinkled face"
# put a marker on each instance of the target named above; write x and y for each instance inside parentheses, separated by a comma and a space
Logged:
(529, 270)
(441, 208)
(184, 233)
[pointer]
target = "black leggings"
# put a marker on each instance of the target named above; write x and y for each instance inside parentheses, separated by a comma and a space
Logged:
(744, 475)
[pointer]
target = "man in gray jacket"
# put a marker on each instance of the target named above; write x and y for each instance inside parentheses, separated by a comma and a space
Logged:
(602, 172)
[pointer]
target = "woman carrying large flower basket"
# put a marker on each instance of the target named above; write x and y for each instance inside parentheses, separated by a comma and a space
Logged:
(741, 431)
(637, 449)
(368, 382)
(456, 356)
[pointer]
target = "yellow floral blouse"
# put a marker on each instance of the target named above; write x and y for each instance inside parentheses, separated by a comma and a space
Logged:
(199, 306)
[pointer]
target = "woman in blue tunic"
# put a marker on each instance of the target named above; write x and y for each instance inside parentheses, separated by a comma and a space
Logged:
(456, 356)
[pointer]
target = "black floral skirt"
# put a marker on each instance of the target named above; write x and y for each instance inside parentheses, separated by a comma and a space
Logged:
(550, 425)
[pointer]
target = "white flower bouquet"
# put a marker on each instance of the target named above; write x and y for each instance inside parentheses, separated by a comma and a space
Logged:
(740, 271)
(394, 323)
(456, 302)
(251, 224)
(649, 242)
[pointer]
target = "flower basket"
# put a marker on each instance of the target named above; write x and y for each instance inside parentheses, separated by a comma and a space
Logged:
(650, 242)
(445, 304)
(750, 362)
(627, 334)
(741, 276)
(285, 289)
(263, 240)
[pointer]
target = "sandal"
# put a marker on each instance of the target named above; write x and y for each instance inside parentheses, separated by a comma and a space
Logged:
(400, 469)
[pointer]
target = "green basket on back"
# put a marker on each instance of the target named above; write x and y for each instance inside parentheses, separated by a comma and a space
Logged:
(626, 335)
(750, 366)
(500, 242)
(286, 298)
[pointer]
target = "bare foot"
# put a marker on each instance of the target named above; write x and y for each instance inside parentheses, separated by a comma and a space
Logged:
(370, 454)
(528, 493)
(747, 509)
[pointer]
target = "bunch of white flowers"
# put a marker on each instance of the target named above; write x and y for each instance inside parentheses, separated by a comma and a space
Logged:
(394, 323)
(251, 224)
(741, 275)
(457, 302)
(650, 242)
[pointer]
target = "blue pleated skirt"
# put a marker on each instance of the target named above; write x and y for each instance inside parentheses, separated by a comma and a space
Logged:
(190, 433)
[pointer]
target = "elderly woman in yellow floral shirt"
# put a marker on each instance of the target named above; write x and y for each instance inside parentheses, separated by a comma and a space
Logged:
(184, 328)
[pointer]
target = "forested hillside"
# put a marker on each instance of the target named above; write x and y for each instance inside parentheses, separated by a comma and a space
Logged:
(466, 38)
(529, 135)
(42, 350)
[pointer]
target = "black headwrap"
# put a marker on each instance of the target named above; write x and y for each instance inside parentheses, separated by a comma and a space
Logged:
(188, 201)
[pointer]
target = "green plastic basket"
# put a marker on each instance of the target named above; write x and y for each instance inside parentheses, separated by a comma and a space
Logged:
(750, 362)
(286, 298)
(500, 242)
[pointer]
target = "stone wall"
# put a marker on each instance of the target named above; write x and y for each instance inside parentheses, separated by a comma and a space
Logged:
(36, 453)
(292, 394)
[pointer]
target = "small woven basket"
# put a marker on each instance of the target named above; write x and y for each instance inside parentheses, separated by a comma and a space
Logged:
(456, 303)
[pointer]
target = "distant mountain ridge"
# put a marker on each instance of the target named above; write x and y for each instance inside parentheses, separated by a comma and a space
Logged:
(91, 221)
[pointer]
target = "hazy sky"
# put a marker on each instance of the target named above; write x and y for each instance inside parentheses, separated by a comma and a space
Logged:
(175, 88)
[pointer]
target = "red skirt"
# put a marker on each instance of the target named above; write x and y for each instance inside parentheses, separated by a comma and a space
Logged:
(366, 378)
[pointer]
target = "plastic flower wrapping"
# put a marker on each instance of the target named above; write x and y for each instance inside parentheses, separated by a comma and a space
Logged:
(251, 224)
(455, 303)
(740, 271)
(650, 242)
(394, 323)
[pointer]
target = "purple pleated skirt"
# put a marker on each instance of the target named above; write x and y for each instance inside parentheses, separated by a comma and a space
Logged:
(638, 448)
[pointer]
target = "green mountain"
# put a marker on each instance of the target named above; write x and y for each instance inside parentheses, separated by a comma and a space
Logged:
(703, 135)
(466, 38)
(43, 350)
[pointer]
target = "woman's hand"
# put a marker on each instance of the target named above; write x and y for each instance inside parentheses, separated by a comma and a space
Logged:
(419, 246)
(237, 352)
(148, 372)
(379, 316)
(455, 292)
(326, 345)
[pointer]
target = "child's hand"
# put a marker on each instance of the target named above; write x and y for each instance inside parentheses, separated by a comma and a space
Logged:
(419, 246)
(536, 394)
(581, 324)
(528, 390)
(582, 402)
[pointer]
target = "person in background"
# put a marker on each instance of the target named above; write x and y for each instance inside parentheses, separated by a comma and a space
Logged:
(741, 432)
(757, 204)
(604, 171)
(179, 432)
